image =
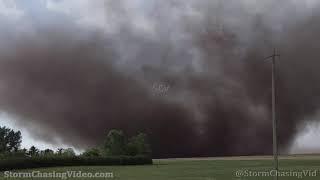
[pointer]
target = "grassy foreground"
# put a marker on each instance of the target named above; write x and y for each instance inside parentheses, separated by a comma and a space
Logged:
(202, 169)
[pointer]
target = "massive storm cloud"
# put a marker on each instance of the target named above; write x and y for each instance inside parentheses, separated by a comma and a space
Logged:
(190, 74)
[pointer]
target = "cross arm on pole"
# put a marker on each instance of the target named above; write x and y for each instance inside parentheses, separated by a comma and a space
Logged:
(273, 56)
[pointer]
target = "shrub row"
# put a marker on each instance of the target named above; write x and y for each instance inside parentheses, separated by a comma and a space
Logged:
(55, 161)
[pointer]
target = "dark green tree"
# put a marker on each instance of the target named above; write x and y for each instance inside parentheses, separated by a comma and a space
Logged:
(4, 139)
(33, 151)
(10, 140)
(115, 143)
(14, 140)
(93, 152)
(138, 145)
(69, 152)
(60, 151)
(24, 150)
(47, 152)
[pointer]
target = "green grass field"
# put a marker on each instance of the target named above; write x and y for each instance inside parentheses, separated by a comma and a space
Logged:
(201, 169)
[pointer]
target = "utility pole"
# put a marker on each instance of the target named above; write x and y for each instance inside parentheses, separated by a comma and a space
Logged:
(274, 118)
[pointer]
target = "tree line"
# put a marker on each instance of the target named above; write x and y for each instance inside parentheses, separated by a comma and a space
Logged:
(115, 144)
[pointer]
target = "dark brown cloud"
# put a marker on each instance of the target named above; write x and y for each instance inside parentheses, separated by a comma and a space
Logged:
(75, 85)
